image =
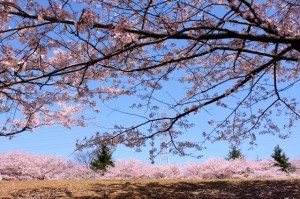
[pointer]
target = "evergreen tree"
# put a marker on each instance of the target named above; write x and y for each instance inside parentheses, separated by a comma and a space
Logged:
(281, 160)
(234, 153)
(103, 158)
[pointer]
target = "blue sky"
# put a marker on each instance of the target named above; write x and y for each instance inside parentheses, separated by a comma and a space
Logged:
(61, 141)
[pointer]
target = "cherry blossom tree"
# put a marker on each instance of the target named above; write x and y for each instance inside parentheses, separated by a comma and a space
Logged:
(26, 166)
(60, 58)
(83, 158)
(296, 164)
(210, 169)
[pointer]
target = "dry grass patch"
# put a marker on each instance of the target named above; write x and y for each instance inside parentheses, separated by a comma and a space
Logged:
(92, 189)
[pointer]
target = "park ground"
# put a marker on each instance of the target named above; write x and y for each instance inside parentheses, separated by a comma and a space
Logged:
(185, 189)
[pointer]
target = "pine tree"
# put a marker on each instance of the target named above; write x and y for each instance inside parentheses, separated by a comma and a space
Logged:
(281, 160)
(234, 153)
(102, 160)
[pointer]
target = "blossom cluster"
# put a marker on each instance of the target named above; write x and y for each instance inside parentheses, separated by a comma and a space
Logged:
(25, 166)
(59, 60)
(214, 168)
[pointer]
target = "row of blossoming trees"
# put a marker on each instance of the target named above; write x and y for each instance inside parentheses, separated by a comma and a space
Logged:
(25, 166)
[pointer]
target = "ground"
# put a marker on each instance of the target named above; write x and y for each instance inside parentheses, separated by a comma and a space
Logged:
(185, 189)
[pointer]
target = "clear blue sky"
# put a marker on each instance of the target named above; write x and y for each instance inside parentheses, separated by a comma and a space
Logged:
(61, 141)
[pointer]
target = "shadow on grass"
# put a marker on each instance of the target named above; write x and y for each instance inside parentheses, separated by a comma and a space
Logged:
(275, 189)
(45, 192)
(215, 189)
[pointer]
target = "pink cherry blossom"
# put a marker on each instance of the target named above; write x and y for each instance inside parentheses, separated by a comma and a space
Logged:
(25, 166)
(61, 60)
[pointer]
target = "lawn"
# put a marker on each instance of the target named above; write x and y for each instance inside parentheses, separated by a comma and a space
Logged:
(160, 189)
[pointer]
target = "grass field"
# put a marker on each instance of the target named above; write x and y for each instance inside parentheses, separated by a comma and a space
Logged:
(160, 189)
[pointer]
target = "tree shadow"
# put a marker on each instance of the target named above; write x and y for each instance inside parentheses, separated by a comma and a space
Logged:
(273, 189)
(214, 189)
(43, 192)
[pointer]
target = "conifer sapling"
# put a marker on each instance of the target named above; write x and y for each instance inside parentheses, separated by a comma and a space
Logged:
(103, 159)
(281, 160)
(234, 153)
